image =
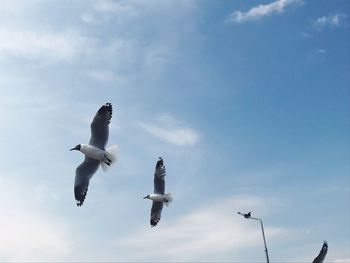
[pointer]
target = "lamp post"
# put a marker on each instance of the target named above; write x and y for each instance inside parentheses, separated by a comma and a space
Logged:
(248, 216)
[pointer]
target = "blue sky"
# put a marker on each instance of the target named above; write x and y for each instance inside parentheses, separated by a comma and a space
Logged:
(246, 101)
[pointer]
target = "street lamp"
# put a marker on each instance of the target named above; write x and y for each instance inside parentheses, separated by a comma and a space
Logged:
(248, 216)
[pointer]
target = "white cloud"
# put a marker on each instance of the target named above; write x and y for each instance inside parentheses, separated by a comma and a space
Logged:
(119, 8)
(104, 76)
(306, 35)
(342, 260)
(36, 45)
(87, 18)
(157, 56)
(261, 11)
(331, 20)
(68, 46)
(27, 232)
(137, 7)
(170, 130)
(203, 234)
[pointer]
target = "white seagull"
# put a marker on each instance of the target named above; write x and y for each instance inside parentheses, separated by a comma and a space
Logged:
(158, 197)
(95, 152)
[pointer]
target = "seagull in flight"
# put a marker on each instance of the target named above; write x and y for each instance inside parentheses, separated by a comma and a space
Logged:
(158, 197)
(247, 215)
(95, 153)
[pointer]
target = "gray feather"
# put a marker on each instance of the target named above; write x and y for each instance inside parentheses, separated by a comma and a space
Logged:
(156, 212)
(83, 174)
(159, 180)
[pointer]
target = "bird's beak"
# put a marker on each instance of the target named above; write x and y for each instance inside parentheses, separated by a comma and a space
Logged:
(145, 197)
(75, 148)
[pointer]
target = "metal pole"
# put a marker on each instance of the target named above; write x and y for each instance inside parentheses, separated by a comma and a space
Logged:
(262, 230)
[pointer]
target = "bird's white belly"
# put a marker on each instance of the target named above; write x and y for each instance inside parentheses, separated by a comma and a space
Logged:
(157, 197)
(93, 152)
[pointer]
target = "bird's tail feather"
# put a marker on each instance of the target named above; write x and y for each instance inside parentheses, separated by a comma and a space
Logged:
(111, 157)
(168, 198)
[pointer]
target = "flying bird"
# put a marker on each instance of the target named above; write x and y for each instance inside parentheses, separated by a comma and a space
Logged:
(158, 197)
(247, 215)
(321, 256)
(95, 153)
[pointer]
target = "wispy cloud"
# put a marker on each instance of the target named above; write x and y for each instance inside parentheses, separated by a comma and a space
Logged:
(157, 56)
(202, 234)
(38, 45)
(342, 260)
(261, 11)
(172, 131)
(104, 76)
(322, 51)
(330, 20)
(28, 233)
(306, 35)
(124, 11)
(125, 8)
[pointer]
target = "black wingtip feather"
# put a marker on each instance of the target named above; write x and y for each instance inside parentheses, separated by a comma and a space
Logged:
(106, 111)
(160, 163)
(79, 194)
(154, 222)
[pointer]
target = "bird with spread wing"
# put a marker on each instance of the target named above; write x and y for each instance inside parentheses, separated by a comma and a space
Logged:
(95, 153)
(158, 196)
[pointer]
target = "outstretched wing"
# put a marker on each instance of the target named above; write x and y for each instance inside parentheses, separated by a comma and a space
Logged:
(159, 181)
(99, 126)
(83, 174)
(156, 212)
(321, 256)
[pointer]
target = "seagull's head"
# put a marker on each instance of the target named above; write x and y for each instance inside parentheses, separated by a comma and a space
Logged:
(147, 197)
(76, 148)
